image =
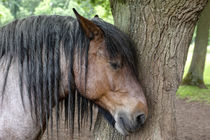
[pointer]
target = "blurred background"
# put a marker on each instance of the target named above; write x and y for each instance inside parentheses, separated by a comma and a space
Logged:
(15, 9)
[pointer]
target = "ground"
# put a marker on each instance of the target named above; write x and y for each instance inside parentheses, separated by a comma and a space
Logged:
(193, 122)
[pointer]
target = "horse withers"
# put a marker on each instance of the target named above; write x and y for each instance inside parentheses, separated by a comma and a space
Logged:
(57, 61)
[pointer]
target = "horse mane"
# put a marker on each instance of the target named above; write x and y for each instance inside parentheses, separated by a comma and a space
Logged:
(35, 42)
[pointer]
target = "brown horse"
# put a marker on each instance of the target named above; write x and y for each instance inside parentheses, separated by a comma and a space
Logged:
(49, 60)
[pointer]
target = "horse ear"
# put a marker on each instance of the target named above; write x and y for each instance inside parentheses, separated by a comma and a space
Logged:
(96, 16)
(90, 29)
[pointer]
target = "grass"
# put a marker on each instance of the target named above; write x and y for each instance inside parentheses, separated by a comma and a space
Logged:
(193, 93)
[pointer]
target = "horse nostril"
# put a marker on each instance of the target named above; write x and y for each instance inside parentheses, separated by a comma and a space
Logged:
(140, 119)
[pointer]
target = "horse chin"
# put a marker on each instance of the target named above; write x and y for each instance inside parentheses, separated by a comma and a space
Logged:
(122, 130)
(120, 127)
(115, 121)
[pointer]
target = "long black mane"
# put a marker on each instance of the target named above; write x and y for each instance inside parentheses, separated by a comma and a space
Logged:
(36, 44)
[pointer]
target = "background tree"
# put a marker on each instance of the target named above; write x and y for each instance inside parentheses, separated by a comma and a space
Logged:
(162, 31)
(195, 72)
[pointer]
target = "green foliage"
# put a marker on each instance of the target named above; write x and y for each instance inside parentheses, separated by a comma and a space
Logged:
(24, 8)
(102, 8)
(20, 8)
(60, 3)
(13, 6)
(29, 6)
(85, 8)
(105, 6)
(193, 93)
(46, 8)
(5, 15)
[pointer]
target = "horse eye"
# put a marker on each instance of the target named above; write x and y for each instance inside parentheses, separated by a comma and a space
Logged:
(114, 65)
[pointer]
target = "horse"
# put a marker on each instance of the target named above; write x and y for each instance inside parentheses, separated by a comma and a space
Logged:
(59, 62)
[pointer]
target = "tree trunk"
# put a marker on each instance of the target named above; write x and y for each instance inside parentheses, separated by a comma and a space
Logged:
(162, 31)
(195, 72)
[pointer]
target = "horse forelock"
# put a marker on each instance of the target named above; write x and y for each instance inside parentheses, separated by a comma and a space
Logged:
(118, 44)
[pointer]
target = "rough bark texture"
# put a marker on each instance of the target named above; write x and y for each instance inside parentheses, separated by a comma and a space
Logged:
(162, 31)
(195, 72)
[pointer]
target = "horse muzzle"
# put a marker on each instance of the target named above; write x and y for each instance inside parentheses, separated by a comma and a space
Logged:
(126, 124)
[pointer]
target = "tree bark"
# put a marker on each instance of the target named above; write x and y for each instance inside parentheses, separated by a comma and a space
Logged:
(162, 32)
(195, 72)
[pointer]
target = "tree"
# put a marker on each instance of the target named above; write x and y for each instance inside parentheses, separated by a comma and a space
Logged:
(162, 31)
(195, 72)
